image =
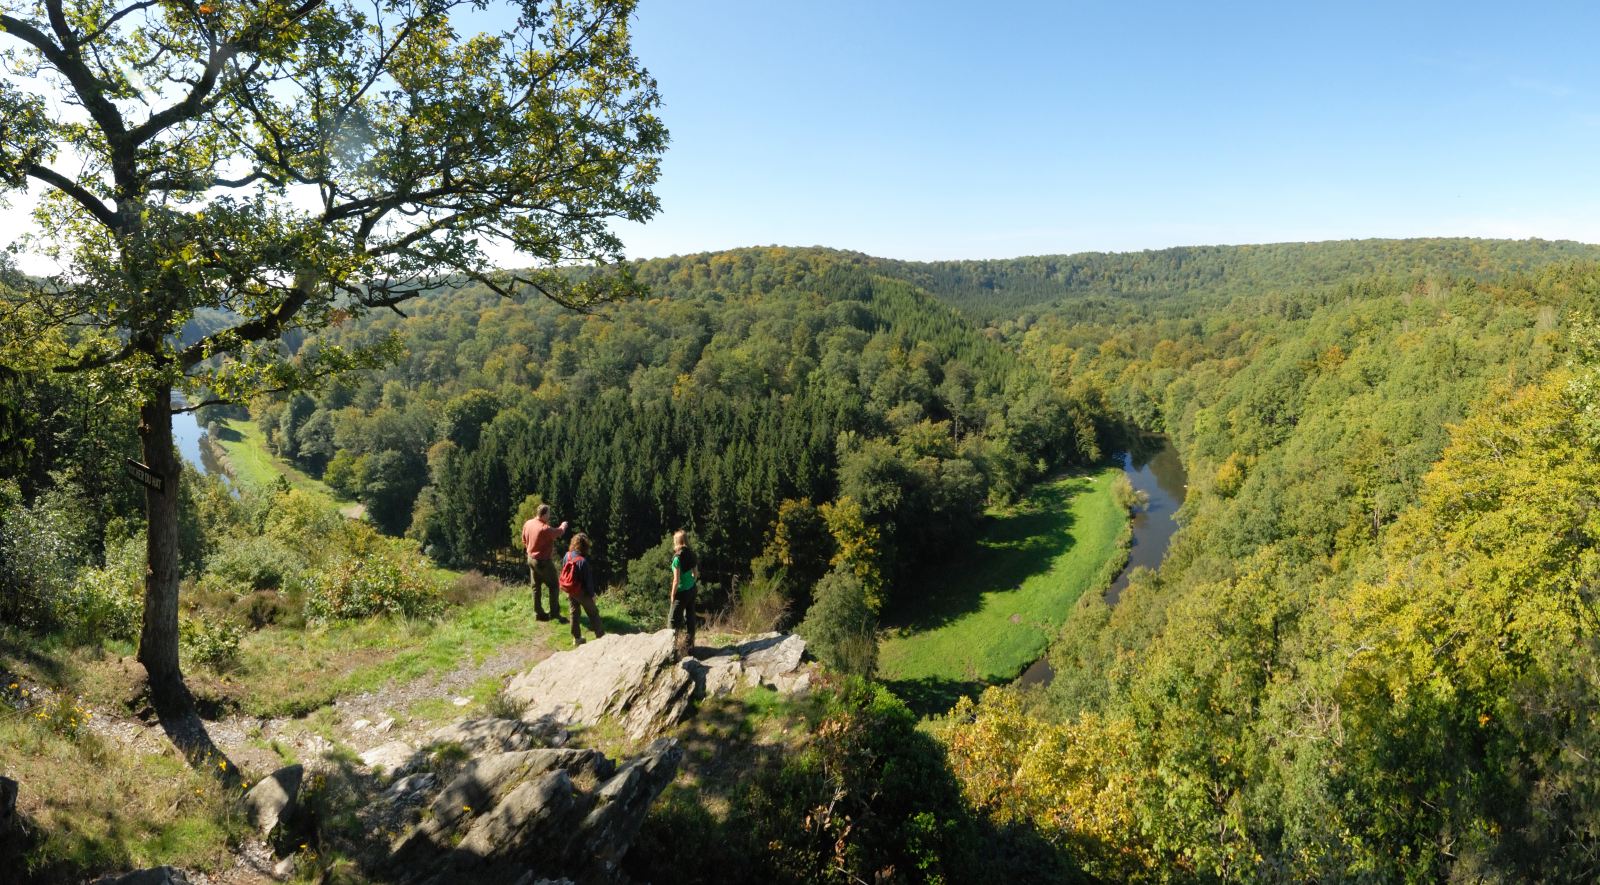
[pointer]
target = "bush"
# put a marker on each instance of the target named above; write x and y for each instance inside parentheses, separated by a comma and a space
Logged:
(107, 603)
(644, 595)
(42, 549)
(264, 607)
(472, 586)
(869, 795)
(250, 564)
(214, 643)
(299, 519)
(1127, 497)
(392, 579)
(762, 603)
(840, 628)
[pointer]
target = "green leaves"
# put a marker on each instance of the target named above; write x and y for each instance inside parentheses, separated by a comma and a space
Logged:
(286, 162)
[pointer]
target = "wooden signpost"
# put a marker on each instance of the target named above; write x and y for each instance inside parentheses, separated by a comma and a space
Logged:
(144, 474)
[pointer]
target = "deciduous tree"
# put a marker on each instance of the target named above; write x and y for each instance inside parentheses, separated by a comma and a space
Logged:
(294, 162)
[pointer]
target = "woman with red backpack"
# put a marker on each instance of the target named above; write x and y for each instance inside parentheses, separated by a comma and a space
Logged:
(577, 581)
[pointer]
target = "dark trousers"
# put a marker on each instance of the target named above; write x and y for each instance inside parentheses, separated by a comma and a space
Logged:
(683, 617)
(586, 602)
(543, 571)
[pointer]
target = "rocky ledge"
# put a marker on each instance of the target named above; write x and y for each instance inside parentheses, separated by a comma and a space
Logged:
(524, 808)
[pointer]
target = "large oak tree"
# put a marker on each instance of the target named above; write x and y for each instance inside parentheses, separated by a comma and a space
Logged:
(292, 162)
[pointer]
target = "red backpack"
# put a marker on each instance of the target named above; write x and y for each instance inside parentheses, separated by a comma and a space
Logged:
(570, 582)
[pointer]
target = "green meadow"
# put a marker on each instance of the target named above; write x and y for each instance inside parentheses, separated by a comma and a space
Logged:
(990, 615)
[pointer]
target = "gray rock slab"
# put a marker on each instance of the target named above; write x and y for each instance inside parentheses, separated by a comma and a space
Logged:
(395, 757)
(479, 737)
(631, 677)
(271, 801)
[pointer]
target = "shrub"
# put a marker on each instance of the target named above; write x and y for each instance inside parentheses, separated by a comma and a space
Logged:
(644, 595)
(870, 795)
(41, 550)
(299, 519)
(762, 603)
(265, 607)
(472, 586)
(257, 563)
(1126, 496)
(107, 603)
(214, 643)
(392, 579)
(840, 627)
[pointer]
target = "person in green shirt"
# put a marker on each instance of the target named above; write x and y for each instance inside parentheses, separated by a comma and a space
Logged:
(685, 585)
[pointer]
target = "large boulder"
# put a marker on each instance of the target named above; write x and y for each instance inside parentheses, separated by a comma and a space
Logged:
(632, 678)
(775, 660)
(271, 802)
(477, 737)
(533, 814)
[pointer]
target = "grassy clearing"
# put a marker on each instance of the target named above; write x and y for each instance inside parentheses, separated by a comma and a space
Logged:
(285, 672)
(989, 616)
(250, 464)
(97, 807)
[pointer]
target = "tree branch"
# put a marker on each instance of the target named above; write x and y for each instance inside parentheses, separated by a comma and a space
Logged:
(268, 326)
(88, 87)
(219, 57)
(98, 362)
(99, 210)
(106, 26)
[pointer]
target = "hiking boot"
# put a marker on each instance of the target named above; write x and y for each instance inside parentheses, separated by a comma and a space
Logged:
(540, 616)
(577, 641)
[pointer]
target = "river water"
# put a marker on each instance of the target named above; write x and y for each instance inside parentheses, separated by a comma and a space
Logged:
(1156, 471)
(186, 433)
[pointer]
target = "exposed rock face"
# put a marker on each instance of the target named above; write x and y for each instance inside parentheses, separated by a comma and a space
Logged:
(272, 800)
(771, 659)
(535, 813)
(632, 678)
(8, 804)
(394, 757)
(479, 736)
(638, 680)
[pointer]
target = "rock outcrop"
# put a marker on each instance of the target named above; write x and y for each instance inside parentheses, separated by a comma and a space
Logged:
(633, 679)
(503, 800)
(271, 802)
(770, 659)
(535, 813)
(638, 681)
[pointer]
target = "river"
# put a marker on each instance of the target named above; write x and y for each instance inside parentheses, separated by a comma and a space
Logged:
(186, 433)
(1158, 473)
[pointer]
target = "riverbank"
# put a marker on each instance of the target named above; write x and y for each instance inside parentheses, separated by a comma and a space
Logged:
(241, 449)
(991, 615)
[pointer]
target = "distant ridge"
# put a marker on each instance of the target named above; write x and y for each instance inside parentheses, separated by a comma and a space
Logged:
(989, 288)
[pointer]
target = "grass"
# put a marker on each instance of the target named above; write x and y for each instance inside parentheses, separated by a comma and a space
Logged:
(290, 672)
(991, 615)
(97, 807)
(249, 463)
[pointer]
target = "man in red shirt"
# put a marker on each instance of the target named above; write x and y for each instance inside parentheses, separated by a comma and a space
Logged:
(539, 539)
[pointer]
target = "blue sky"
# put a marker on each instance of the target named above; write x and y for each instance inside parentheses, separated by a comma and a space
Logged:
(945, 130)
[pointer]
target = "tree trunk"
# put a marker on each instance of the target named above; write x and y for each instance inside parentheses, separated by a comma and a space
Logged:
(158, 642)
